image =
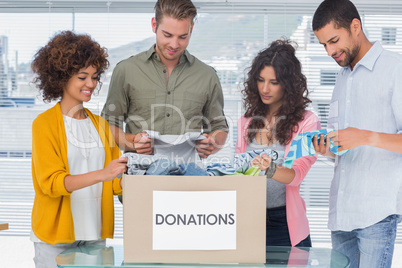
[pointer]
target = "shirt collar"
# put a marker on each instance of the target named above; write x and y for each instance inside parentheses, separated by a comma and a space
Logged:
(185, 57)
(369, 58)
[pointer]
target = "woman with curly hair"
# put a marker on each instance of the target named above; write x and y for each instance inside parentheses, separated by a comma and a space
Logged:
(275, 96)
(75, 160)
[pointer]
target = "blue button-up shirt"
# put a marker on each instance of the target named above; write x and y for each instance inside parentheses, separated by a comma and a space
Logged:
(367, 183)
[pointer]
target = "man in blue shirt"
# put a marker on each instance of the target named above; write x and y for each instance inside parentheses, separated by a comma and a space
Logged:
(366, 191)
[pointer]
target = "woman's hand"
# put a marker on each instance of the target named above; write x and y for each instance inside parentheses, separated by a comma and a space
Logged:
(262, 161)
(115, 168)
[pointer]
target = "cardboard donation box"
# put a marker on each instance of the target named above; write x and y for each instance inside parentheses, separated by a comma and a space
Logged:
(191, 219)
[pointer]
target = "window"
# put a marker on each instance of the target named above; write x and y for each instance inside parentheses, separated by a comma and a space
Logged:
(328, 77)
(388, 36)
(322, 111)
(313, 38)
(226, 36)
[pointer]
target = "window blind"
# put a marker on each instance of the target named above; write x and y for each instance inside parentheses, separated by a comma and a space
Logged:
(226, 36)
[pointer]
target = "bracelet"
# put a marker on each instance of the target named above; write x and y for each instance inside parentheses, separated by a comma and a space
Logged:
(271, 170)
(134, 150)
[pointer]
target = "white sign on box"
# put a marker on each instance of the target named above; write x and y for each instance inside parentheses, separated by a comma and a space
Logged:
(194, 220)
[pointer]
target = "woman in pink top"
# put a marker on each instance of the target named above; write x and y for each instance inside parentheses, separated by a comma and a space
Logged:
(276, 99)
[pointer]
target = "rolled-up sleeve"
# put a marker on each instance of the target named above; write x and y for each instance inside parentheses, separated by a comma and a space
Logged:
(214, 109)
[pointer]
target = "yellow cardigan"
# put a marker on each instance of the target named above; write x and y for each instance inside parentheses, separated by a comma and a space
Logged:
(52, 220)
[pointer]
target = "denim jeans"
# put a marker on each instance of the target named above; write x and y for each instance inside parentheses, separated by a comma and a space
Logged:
(277, 232)
(372, 246)
(170, 167)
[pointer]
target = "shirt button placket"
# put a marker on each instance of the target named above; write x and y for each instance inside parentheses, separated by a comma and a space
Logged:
(348, 101)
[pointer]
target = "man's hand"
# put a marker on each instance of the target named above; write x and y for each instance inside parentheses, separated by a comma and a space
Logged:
(214, 142)
(349, 138)
(206, 146)
(346, 139)
(142, 144)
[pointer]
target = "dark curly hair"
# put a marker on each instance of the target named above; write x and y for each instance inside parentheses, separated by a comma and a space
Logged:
(64, 55)
(281, 56)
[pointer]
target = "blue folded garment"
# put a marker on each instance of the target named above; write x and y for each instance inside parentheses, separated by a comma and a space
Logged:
(302, 145)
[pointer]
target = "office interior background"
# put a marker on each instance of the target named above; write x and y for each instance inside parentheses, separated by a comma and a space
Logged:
(227, 35)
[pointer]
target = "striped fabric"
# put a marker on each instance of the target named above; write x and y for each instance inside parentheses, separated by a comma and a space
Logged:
(302, 145)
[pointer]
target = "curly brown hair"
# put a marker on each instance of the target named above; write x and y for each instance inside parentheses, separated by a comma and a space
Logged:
(281, 56)
(64, 55)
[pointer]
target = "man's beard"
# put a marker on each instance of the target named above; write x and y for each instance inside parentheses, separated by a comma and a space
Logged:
(350, 56)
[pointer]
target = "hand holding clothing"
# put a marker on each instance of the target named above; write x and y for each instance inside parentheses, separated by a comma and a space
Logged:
(349, 138)
(109, 173)
(143, 144)
(262, 162)
(343, 140)
(214, 142)
(323, 147)
(205, 146)
(115, 168)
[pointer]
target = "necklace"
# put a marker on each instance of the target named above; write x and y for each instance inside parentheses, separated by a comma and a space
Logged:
(83, 146)
(268, 133)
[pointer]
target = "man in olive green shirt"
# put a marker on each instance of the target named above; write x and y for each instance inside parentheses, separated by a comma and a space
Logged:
(166, 89)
